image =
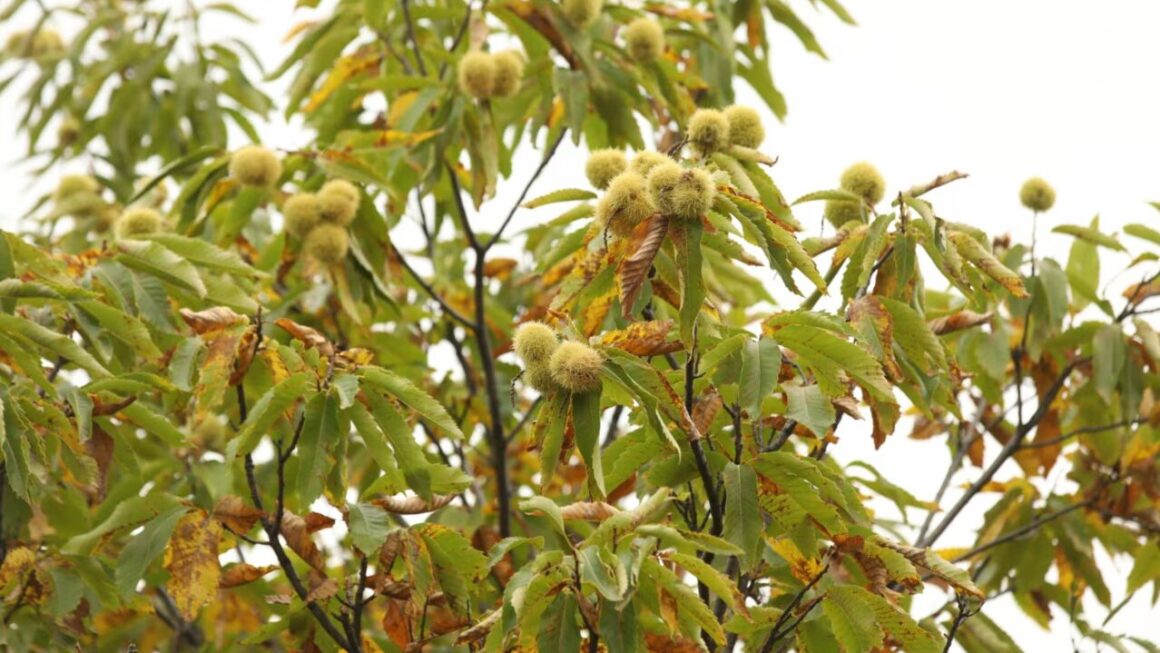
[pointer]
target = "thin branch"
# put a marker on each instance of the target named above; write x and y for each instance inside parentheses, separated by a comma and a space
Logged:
(527, 187)
(1008, 450)
(965, 441)
(1080, 431)
(962, 615)
(411, 37)
(774, 633)
(447, 309)
(1023, 530)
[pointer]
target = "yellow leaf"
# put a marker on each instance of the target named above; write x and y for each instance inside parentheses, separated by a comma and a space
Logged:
(356, 63)
(192, 561)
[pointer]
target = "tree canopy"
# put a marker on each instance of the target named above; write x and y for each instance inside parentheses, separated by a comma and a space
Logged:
(244, 409)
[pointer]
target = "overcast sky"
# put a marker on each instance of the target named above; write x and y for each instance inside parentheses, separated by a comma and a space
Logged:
(1000, 89)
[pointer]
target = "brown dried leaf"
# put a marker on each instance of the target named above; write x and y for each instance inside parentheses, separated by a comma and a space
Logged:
(588, 511)
(412, 505)
(211, 319)
(298, 538)
(869, 313)
(306, 335)
(644, 243)
(322, 591)
(705, 409)
(242, 573)
(316, 522)
(1138, 292)
(192, 561)
(234, 514)
(643, 338)
(958, 321)
(499, 268)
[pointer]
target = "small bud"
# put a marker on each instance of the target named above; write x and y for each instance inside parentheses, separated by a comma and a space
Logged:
(255, 165)
(327, 244)
(68, 131)
(864, 180)
(581, 13)
(684, 193)
(47, 43)
(745, 128)
(1037, 195)
(626, 203)
(534, 343)
(603, 165)
(708, 131)
(70, 185)
(576, 367)
(138, 221)
(644, 162)
(302, 213)
(477, 72)
(509, 72)
(645, 39)
(338, 201)
(839, 212)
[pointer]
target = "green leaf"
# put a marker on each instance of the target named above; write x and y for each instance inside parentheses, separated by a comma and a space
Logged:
(266, 411)
(548, 508)
(162, 263)
(380, 451)
(552, 421)
(560, 631)
(153, 423)
(717, 582)
(586, 426)
(760, 365)
(619, 627)
(129, 512)
(203, 253)
(744, 525)
(1090, 234)
(809, 406)
(1143, 232)
(1146, 567)
(123, 327)
(691, 611)
(144, 548)
(686, 237)
(847, 612)
(419, 401)
(561, 195)
(58, 344)
(369, 527)
(1108, 358)
(832, 359)
(321, 427)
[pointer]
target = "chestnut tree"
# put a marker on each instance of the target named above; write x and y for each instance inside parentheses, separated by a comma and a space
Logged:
(257, 396)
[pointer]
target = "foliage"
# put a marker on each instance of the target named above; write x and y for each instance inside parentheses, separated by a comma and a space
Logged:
(218, 435)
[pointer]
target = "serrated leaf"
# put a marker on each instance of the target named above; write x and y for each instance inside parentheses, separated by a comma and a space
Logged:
(369, 527)
(810, 407)
(561, 195)
(743, 521)
(1091, 235)
(717, 582)
(162, 263)
(586, 427)
(760, 365)
(408, 393)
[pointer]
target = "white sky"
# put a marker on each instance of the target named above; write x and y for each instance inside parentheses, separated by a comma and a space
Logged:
(1001, 89)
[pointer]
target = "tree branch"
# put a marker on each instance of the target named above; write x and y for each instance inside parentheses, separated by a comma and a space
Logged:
(1008, 450)
(1023, 530)
(527, 187)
